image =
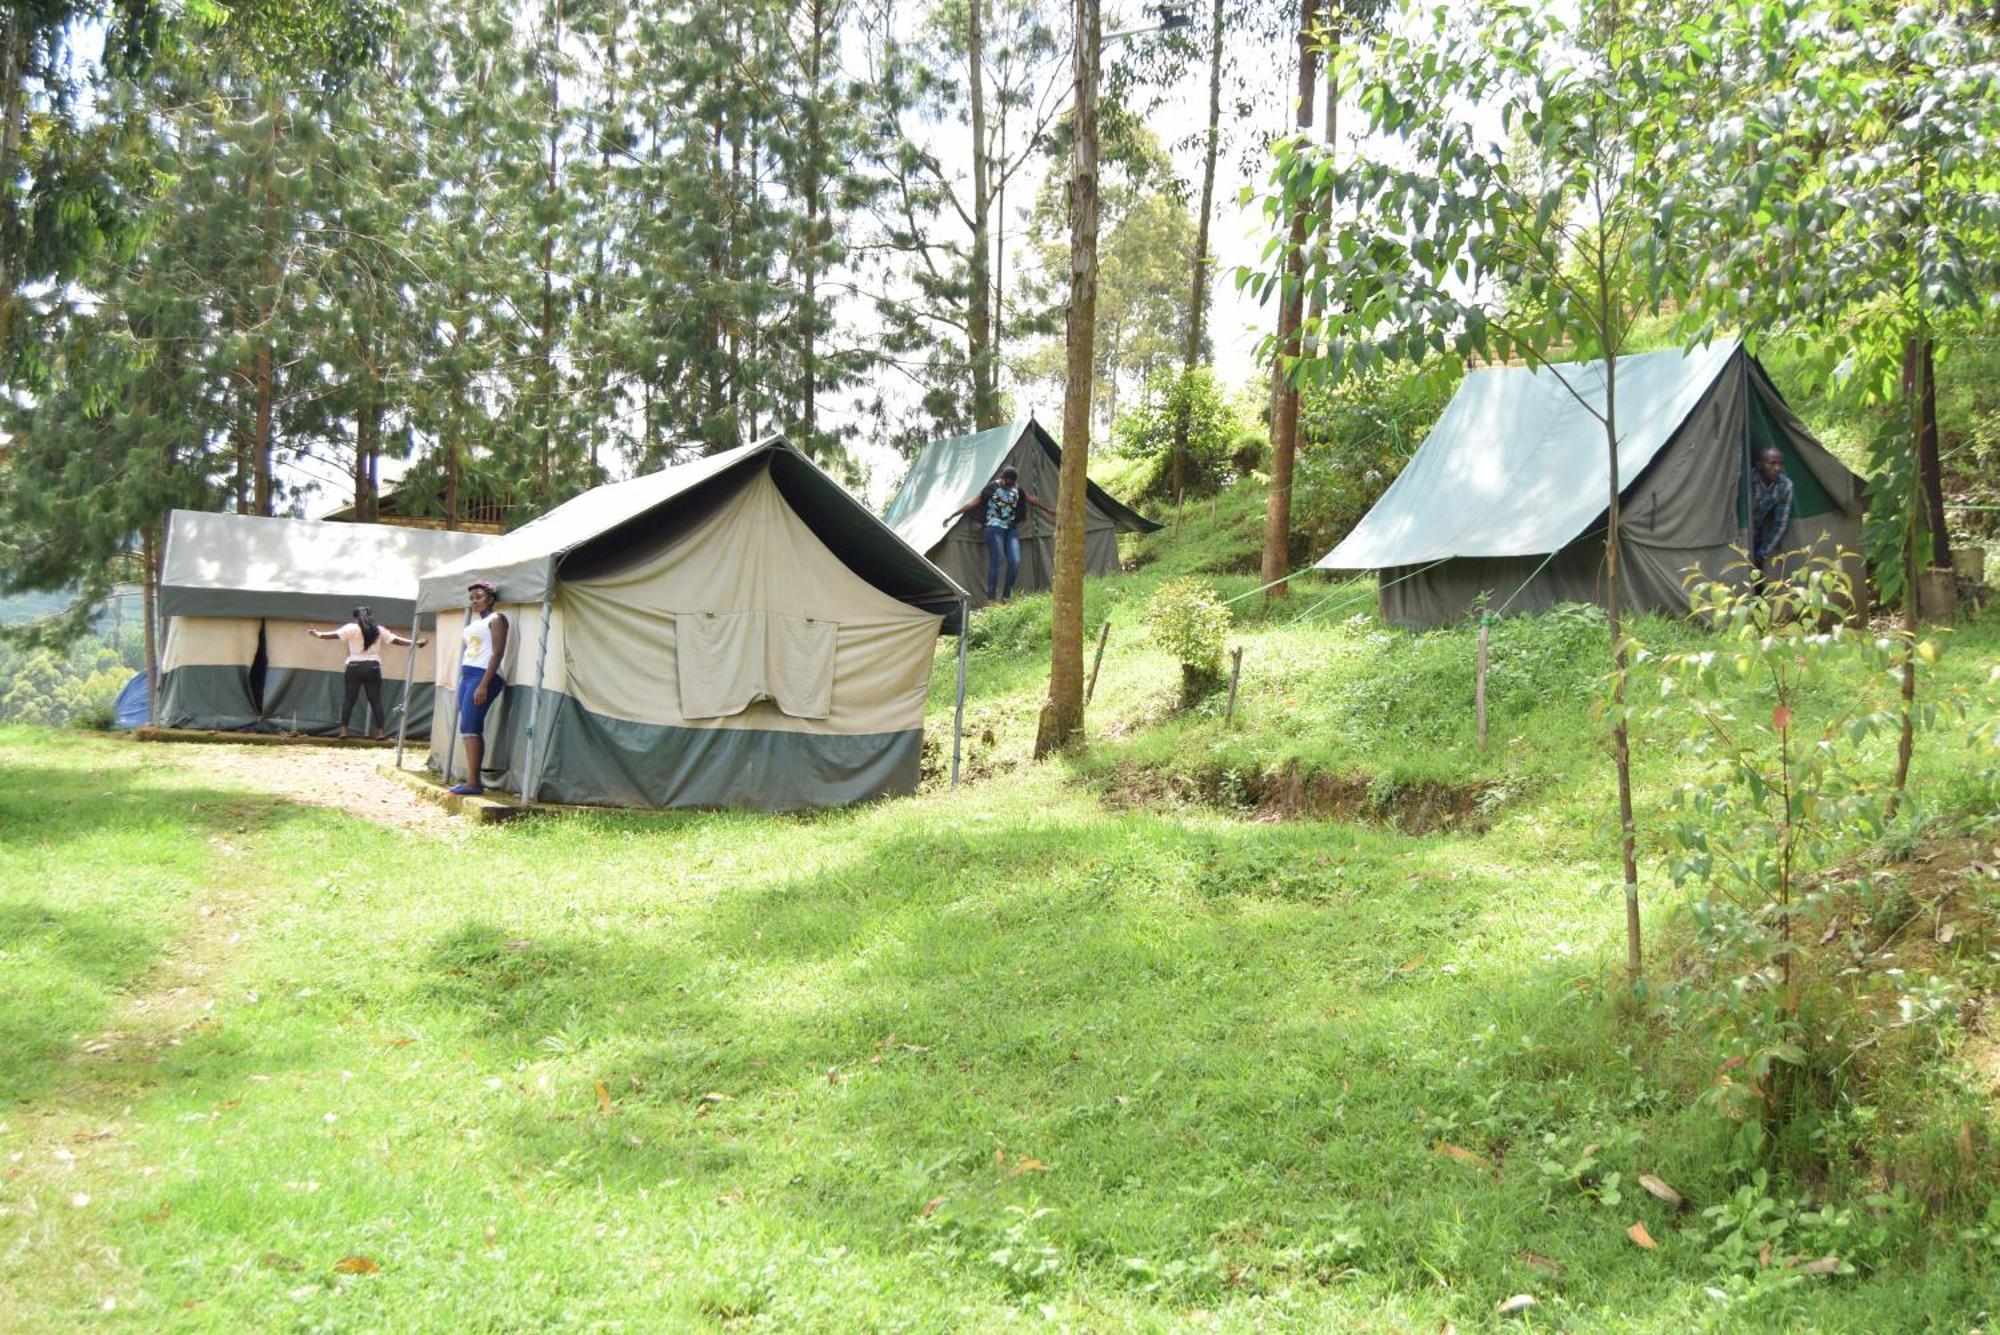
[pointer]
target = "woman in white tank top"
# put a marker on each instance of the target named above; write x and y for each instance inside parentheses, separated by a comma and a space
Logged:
(484, 649)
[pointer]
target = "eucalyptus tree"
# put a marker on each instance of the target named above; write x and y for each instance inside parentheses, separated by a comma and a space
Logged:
(988, 69)
(1851, 192)
(1437, 239)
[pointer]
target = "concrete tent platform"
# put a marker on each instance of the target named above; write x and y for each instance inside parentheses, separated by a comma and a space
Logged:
(152, 734)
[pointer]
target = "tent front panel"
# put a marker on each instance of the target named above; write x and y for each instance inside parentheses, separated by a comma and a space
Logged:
(305, 683)
(948, 473)
(1652, 579)
(963, 556)
(523, 623)
(615, 646)
(205, 672)
(592, 759)
(610, 726)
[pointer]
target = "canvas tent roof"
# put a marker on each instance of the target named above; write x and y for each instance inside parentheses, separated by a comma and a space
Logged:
(304, 569)
(1516, 466)
(947, 473)
(524, 563)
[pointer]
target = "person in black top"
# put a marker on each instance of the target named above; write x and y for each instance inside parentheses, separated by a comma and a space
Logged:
(1005, 504)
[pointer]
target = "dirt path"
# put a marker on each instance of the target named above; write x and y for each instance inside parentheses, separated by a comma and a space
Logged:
(69, 1153)
(345, 780)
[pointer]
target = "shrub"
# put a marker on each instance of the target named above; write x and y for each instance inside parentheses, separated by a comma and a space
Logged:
(1214, 433)
(1190, 622)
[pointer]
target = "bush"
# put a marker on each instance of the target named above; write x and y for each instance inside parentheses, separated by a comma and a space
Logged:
(1357, 435)
(1190, 622)
(1215, 435)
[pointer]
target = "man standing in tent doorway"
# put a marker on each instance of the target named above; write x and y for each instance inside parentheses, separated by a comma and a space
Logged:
(1770, 510)
(479, 679)
(1006, 505)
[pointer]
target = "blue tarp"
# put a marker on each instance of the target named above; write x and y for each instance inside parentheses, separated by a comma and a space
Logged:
(134, 706)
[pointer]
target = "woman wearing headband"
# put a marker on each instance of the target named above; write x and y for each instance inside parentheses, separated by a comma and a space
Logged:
(479, 681)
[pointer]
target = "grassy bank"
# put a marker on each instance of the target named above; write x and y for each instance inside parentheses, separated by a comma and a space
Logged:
(1104, 1042)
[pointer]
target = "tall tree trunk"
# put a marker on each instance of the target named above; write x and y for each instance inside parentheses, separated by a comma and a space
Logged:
(1621, 738)
(1198, 288)
(1062, 713)
(808, 258)
(979, 296)
(998, 321)
(454, 429)
(1930, 468)
(545, 371)
(1291, 311)
(265, 376)
(263, 370)
(240, 441)
(14, 53)
(149, 605)
(1922, 420)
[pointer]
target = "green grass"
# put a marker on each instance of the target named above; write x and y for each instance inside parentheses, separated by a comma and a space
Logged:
(951, 1062)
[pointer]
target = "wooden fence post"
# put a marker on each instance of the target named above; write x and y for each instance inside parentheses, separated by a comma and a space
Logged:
(1479, 686)
(1235, 671)
(1103, 634)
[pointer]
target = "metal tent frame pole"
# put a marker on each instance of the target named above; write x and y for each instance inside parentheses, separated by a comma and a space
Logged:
(409, 685)
(958, 713)
(451, 729)
(530, 781)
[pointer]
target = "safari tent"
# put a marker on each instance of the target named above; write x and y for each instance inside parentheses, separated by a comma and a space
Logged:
(237, 593)
(736, 631)
(948, 473)
(1507, 496)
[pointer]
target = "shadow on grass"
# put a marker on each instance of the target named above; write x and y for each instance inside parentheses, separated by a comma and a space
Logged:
(1195, 1039)
(84, 854)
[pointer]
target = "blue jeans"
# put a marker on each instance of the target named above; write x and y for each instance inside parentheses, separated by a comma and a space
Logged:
(1002, 544)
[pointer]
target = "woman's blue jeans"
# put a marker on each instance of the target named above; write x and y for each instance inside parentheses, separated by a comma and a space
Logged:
(1002, 544)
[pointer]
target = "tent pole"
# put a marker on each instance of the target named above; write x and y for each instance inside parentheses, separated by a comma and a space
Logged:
(528, 776)
(958, 713)
(409, 684)
(451, 742)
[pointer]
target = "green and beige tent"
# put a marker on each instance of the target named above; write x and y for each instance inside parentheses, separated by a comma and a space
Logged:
(237, 593)
(733, 632)
(948, 473)
(1506, 498)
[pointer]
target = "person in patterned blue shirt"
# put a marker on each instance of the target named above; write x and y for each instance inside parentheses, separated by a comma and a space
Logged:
(1770, 508)
(1005, 503)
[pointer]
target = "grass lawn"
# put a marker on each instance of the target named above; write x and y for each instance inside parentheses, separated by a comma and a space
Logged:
(1011, 1054)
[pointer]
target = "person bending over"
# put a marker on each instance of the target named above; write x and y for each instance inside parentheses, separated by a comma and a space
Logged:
(364, 666)
(1006, 504)
(479, 680)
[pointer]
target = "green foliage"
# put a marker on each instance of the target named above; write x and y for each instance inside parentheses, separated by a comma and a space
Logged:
(1784, 789)
(1359, 432)
(1191, 625)
(74, 685)
(1147, 431)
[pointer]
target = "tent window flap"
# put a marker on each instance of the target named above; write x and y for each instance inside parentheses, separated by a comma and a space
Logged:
(729, 661)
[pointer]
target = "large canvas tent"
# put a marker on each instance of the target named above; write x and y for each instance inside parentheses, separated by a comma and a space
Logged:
(237, 593)
(948, 473)
(737, 631)
(1507, 496)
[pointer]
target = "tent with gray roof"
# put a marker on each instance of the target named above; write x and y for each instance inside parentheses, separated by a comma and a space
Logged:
(948, 473)
(238, 593)
(1506, 498)
(737, 631)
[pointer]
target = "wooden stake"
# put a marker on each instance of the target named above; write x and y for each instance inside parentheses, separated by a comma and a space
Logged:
(1479, 686)
(1103, 634)
(1235, 671)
